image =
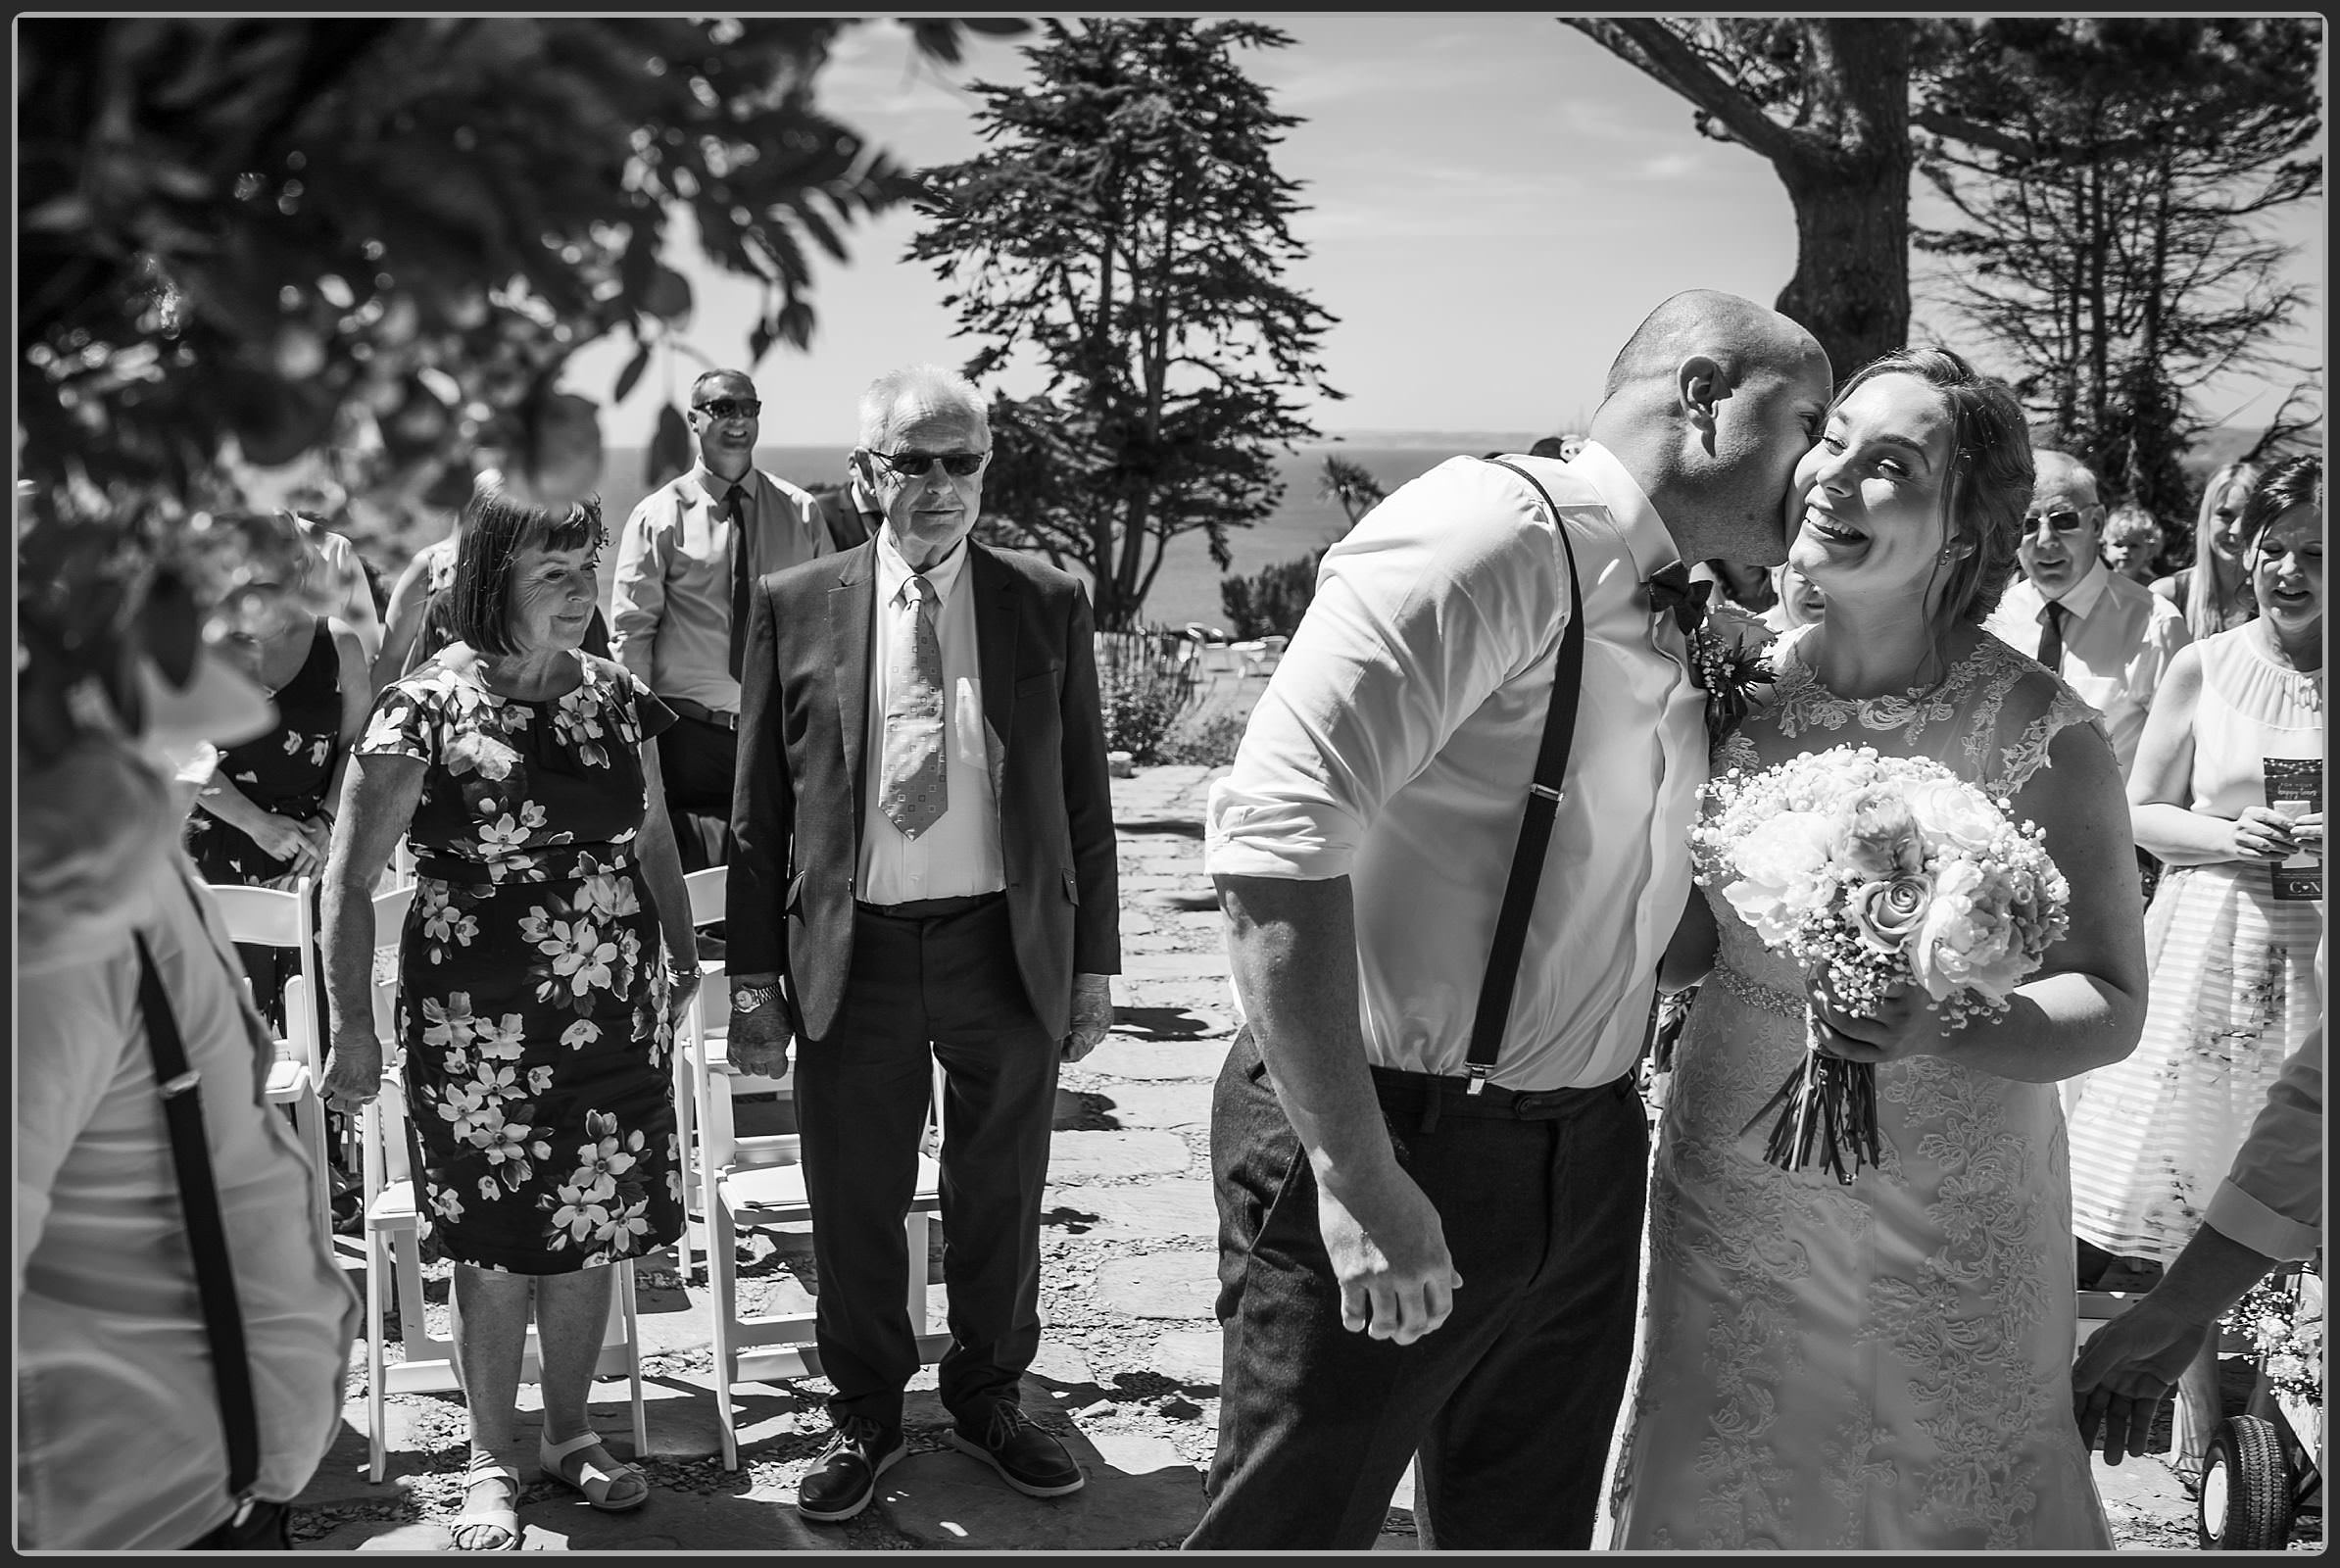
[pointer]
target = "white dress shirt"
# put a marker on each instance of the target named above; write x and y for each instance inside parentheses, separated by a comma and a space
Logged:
(670, 595)
(959, 855)
(1397, 739)
(2119, 638)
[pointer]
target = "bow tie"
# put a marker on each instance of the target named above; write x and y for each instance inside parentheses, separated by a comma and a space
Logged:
(1671, 589)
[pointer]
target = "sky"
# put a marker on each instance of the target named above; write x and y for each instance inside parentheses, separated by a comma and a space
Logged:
(1493, 203)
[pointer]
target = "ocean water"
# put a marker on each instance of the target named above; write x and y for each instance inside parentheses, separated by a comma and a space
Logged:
(1188, 587)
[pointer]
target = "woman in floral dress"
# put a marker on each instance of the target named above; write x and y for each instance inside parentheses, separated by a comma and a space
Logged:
(1884, 1365)
(2232, 931)
(545, 959)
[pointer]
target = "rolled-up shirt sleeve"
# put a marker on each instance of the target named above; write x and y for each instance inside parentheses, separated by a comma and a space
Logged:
(2273, 1197)
(638, 588)
(1449, 589)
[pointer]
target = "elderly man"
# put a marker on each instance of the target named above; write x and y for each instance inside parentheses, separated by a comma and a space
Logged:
(2108, 637)
(924, 872)
(1413, 1261)
(678, 610)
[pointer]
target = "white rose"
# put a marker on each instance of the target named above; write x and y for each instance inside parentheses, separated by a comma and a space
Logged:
(1783, 870)
(1950, 810)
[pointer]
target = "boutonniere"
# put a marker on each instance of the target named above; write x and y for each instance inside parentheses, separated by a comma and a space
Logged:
(1727, 667)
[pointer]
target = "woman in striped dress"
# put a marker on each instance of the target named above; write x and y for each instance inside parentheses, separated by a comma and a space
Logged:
(2227, 789)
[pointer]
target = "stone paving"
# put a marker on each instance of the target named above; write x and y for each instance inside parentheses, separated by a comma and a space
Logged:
(1130, 1351)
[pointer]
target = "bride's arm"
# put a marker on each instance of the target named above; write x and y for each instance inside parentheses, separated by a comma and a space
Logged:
(2086, 1007)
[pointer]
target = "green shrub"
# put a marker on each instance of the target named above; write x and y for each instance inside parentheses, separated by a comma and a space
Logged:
(1272, 602)
(1144, 687)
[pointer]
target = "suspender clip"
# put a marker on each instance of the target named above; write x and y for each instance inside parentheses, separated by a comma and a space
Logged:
(1479, 1071)
(1548, 792)
(181, 1083)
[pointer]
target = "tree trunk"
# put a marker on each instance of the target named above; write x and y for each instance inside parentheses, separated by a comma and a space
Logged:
(1847, 175)
(1851, 287)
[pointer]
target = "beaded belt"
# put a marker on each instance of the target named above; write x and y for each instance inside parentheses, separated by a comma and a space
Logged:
(1787, 1003)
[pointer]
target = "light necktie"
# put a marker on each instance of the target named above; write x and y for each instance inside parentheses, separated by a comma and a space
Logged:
(735, 508)
(912, 789)
(2051, 640)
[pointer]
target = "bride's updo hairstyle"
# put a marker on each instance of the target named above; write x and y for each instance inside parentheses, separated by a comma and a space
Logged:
(1990, 483)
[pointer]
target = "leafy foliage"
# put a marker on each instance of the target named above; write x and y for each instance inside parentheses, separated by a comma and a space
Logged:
(1144, 687)
(1271, 600)
(1127, 230)
(2109, 176)
(383, 237)
(1348, 487)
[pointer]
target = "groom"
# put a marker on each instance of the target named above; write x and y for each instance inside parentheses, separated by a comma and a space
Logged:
(1406, 1267)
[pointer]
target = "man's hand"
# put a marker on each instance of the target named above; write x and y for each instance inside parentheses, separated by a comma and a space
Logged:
(1397, 1279)
(352, 1069)
(758, 1046)
(2127, 1369)
(1092, 1014)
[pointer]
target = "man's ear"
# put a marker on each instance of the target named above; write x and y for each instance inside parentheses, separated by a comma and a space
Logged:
(1701, 384)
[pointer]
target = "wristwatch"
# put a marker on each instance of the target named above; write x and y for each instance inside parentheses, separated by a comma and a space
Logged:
(751, 999)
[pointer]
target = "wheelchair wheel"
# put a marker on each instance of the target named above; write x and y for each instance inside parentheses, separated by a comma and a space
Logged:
(2245, 1501)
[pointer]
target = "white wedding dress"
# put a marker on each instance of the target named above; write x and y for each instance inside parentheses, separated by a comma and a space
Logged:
(1879, 1366)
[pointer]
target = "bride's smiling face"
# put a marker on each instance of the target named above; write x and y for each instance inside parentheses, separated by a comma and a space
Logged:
(1867, 503)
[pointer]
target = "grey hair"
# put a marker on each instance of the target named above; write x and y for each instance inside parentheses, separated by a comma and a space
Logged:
(933, 387)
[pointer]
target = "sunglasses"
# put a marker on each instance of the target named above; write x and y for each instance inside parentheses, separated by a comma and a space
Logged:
(918, 464)
(2062, 521)
(732, 407)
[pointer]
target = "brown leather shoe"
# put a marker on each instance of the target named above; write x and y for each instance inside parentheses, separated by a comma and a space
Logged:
(845, 1476)
(1027, 1458)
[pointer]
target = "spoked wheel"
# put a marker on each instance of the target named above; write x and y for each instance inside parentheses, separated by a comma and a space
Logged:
(2245, 1505)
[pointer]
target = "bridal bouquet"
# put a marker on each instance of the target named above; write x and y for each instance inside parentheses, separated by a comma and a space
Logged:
(1874, 872)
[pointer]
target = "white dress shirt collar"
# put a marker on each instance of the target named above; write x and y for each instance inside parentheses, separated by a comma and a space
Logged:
(2082, 597)
(893, 572)
(1636, 515)
(713, 487)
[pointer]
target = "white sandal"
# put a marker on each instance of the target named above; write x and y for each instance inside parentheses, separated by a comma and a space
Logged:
(506, 1518)
(594, 1481)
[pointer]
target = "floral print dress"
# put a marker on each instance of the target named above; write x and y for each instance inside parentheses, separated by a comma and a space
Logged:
(1883, 1366)
(531, 996)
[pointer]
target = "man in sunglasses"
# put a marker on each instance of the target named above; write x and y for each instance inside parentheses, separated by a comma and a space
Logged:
(2108, 638)
(924, 872)
(678, 605)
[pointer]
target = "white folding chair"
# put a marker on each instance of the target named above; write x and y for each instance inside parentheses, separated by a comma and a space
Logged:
(394, 1251)
(274, 917)
(707, 1034)
(746, 1183)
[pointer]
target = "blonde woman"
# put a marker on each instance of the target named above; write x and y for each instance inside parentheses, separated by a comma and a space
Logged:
(2215, 592)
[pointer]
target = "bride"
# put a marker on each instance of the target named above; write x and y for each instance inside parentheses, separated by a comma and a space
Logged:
(1885, 1365)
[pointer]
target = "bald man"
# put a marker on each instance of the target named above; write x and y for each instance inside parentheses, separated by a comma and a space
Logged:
(1411, 1263)
(2109, 638)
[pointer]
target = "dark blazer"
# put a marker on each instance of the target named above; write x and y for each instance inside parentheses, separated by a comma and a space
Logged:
(796, 804)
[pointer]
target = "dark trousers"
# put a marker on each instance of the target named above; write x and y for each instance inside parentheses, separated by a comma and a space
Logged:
(1510, 1402)
(696, 761)
(925, 989)
(266, 1528)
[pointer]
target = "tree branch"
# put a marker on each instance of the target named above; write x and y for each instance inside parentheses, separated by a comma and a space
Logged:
(1659, 52)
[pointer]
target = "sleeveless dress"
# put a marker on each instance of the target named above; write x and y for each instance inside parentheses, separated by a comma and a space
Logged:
(1879, 1366)
(285, 771)
(531, 1003)
(2233, 979)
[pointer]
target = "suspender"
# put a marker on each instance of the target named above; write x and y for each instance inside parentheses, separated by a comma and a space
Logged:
(206, 1234)
(1536, 826)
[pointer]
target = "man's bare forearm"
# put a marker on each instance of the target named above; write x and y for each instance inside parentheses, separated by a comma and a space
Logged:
(1293, 950)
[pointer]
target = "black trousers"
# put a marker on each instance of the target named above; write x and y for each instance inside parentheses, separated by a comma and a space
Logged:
(696, 760)
(927, 988)
(1510, 1402)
